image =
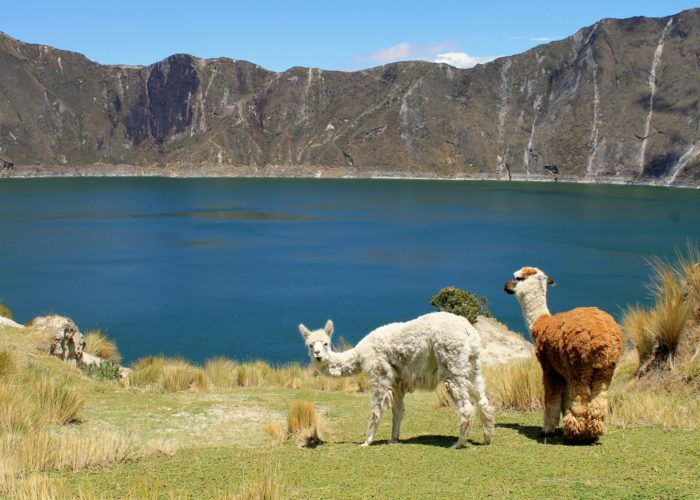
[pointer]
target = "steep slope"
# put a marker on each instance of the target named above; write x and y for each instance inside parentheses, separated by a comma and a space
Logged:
(616, 102)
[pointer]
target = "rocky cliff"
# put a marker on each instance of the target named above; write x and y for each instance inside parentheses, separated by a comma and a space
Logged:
(616, 102)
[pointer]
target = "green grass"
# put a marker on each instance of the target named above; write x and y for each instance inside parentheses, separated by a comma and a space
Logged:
(215, 444)
(632, 462)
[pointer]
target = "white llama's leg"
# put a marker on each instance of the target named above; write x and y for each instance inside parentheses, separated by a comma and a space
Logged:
(380, 400)
(398, 412)
(458, 390)
(478, 393)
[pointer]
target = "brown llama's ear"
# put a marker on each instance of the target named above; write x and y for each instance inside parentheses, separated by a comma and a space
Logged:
(305, 332)
(550, 281)
(329, 328)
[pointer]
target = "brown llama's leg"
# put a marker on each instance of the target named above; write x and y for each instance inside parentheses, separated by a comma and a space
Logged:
(554, 385)
(598, 407)
(576, 421)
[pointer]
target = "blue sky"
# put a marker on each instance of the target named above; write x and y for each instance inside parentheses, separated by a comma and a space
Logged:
(341, 35)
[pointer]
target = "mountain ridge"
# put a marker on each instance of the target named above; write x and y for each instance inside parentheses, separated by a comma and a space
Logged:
(618, 101)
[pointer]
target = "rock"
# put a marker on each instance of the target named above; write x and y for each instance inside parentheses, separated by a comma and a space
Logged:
(499, 344)
(64, 338)
(8, 322)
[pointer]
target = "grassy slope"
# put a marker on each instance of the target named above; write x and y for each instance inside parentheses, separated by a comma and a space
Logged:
(222, 449)
(229, 456)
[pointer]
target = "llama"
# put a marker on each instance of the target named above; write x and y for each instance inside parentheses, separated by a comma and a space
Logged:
(402, 357)
(578, 351)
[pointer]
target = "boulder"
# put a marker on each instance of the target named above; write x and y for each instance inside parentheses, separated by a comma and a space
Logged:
(8, 322)
(499, 344)
(64, 338)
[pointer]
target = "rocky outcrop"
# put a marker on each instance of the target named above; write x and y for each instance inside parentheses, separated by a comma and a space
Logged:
(499, 345)
(8, 322)
(618, 101)
(63, 337)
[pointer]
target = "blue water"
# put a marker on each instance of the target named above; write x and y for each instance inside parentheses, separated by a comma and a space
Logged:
(208, 267)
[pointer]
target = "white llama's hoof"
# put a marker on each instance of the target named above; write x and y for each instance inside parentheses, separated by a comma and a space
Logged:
(365, 444)
(458, 445)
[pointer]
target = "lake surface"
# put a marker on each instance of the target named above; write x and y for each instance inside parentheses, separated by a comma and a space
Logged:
(208, 267)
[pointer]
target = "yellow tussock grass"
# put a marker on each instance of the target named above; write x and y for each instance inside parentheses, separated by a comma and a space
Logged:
(98, 344)
(516, 385)
(304, 422)
(274, 430)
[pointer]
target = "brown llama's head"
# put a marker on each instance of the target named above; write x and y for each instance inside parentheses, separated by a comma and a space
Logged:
(527, 279)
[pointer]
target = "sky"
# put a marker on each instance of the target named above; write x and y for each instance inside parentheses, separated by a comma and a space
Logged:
(330, 34)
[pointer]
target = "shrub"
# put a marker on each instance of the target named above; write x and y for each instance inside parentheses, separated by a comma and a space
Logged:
(304, 422)
(457, 301)
(106, 370)
(98, 344)
(5, 311)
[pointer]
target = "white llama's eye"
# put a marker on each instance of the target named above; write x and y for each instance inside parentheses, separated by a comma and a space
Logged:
(325, 344)
(519, 278)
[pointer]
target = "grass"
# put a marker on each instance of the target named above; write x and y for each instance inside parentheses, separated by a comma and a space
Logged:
(5, 311)
(150, 442)
(660, 334)
(304, 422)
(98, 344)
(516, 386)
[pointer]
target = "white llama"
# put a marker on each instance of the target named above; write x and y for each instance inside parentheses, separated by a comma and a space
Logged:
(403, 357)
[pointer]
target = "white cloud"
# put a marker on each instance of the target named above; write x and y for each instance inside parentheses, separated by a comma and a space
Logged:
(403, 52)
(436, 52)
(462, 59)
(534, 38)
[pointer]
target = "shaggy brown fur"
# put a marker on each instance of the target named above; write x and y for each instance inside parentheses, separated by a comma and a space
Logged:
(578, 351)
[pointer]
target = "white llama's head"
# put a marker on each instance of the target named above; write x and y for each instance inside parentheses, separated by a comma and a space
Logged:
(528, 281)
(318, 342)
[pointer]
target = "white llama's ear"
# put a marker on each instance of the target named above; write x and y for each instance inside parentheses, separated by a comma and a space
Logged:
(550, 281)
(305, 332)
(329, 328)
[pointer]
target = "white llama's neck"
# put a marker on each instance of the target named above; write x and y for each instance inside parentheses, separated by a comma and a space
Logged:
(534, 305)
(344, 364)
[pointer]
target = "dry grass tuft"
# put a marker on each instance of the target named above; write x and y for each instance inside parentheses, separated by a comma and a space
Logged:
(304, 422)
(275, 431)
(269, 488)
(31, 398)
(443, 399)
(221, 372)
(635, 327)
(659, 334)
(167, 374)
(5, 311)
(516, 386)
(633, 406)
(98, 344)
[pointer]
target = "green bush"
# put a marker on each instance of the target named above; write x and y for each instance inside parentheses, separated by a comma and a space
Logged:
(457, 301)
(107, 370)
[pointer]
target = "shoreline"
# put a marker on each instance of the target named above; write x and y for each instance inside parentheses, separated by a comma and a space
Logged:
(289, 172)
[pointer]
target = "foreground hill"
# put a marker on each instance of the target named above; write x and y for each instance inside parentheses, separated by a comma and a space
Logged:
(615, 102)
